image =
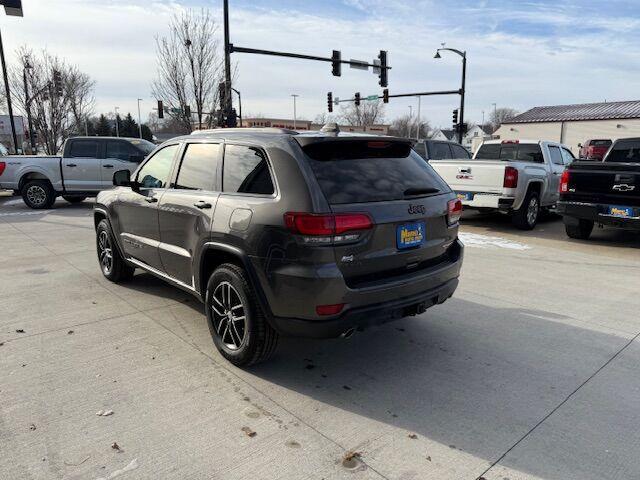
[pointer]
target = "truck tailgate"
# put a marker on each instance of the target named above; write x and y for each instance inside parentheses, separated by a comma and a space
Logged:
(604, 182)
(486, 176)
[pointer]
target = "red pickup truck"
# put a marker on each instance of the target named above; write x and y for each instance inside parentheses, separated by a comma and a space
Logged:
(594, 149)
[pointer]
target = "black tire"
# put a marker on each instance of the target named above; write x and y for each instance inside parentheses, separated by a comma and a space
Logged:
(581, 231)
(38, 194)
(244, 344)
(74, 199)
(114, 268)
(526, 217)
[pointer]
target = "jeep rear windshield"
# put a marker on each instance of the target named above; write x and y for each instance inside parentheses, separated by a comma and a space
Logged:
(371, 171)
(624, 151)
(524, 152)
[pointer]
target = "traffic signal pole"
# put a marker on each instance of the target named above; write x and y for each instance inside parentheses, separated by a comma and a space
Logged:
(227, 102)
(462, 92)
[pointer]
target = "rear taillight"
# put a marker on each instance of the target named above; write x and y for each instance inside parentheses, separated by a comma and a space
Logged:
(454, 211)
(510, 177)
(323, 229)
(329, 309)
(564, 181)
(3, 165)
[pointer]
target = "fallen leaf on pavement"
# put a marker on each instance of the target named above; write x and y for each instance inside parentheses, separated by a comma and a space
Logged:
(19, 330)
(116, 447)
(412, 436)
(32, 426)
(248, 432)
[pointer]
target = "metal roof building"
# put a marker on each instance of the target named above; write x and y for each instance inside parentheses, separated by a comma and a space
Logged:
(574, 124)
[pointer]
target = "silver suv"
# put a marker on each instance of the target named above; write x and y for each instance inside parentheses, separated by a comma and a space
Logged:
(280, 233)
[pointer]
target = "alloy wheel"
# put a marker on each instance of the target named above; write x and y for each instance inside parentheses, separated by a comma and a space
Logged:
(105, 252)
(36, 195)
(532, 211)
(229, 315)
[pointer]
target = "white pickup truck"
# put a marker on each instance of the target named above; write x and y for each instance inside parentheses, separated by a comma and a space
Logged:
(516, 177)
(86, 166)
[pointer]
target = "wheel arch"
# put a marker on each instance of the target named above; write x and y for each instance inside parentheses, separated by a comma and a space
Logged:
(215, 254)
(32, 175)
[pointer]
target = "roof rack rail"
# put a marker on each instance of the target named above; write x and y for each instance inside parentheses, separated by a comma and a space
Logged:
(246, 129)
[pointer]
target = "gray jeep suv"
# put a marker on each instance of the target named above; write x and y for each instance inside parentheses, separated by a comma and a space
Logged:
(285, 233)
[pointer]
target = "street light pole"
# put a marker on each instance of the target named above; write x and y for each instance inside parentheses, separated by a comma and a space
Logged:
(139, 120)
(228, 102)
(8, 93)
(418, 122)
(462, 90)
(117, 130)
(295, 97)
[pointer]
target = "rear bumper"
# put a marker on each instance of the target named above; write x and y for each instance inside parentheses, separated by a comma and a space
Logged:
(597, 213)
(359, 318)
(488, 200)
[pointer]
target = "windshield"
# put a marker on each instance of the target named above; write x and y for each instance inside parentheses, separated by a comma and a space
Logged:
(370, 171)
(625, 151)
(143, 145)
(524, 152)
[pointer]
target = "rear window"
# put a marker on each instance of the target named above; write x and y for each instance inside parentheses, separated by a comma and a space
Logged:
(600, 143)
(524, 152)
(625, 151)
(369, 171)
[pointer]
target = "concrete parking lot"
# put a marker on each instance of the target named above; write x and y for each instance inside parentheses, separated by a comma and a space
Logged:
(529, 372)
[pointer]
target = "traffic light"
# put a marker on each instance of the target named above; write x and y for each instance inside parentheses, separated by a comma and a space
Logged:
(57, 83)
(330, 102)
(187, 111)
(357, 99)
(160, 109)
(385, 95)
(455, 116)
(335, 62)
(384, 79)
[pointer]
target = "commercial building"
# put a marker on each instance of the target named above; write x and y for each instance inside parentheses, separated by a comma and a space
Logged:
(308, 125)
(574, 124)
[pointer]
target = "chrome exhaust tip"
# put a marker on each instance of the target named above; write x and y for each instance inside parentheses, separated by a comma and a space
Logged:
(348, 333)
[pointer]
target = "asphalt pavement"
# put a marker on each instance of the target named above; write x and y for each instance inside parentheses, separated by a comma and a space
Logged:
(529, 372)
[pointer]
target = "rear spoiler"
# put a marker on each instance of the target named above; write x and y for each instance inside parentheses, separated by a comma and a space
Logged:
(305, 140)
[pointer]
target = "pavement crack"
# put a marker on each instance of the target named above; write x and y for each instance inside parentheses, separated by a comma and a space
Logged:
(560, 405)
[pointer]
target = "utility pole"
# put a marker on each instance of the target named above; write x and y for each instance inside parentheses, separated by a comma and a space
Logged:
(8, 93)
(27, 66)
(117, 130)
(418, 128)
(227, 103)
(295, 97)
(139, 121)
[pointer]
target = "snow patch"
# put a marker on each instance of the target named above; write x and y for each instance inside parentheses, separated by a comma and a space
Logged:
(485, 241)
(132, 466)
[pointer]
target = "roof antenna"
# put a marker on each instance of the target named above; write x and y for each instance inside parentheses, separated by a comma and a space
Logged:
(331, 127)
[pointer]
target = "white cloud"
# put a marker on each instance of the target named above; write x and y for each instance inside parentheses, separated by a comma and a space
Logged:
(113, 41)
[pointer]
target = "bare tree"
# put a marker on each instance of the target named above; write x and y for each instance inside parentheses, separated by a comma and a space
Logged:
(501, 115)
(190, 67)
(56, 108)
(407, 126)
(368, 113)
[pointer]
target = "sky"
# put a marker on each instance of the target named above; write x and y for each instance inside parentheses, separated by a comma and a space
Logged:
(521, 53)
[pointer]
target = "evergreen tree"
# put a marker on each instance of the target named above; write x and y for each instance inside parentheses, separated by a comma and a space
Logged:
(129, 127)
(103, 126)
(117, 132)
(146, 133)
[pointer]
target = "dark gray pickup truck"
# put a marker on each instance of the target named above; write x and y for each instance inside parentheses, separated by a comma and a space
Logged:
(603, 192)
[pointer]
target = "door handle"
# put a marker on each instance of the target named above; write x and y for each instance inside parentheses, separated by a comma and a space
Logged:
(202, 205)
(71, 165)
(108, 166)
(151, 199)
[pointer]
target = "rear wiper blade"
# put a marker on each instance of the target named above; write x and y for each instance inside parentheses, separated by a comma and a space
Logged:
(411, 192)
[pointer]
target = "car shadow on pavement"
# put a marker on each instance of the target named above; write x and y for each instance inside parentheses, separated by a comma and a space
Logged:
(469, 376)
(550, 227)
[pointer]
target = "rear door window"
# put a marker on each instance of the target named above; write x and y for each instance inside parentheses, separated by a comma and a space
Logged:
(369, 171)
(246, 171)
(84, 148)
(459, 152)
(198, 167)
(556, 155)
(440, 151)
(525, 152)
(121, 150)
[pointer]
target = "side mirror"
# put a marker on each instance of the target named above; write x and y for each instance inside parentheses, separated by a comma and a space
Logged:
(136, 158)
(122, 178)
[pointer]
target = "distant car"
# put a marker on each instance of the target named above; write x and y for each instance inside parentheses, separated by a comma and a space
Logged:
(604, 192)
(85, 167)
(516, 177)
(440, 150)
(594, 149)
(280, 232)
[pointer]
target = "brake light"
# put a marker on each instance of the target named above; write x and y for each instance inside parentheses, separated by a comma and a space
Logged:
(454, 211)
(3, 165)
(510, 177)
(327, 228)
(510, 142)
(564, 181)
(329, 309)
